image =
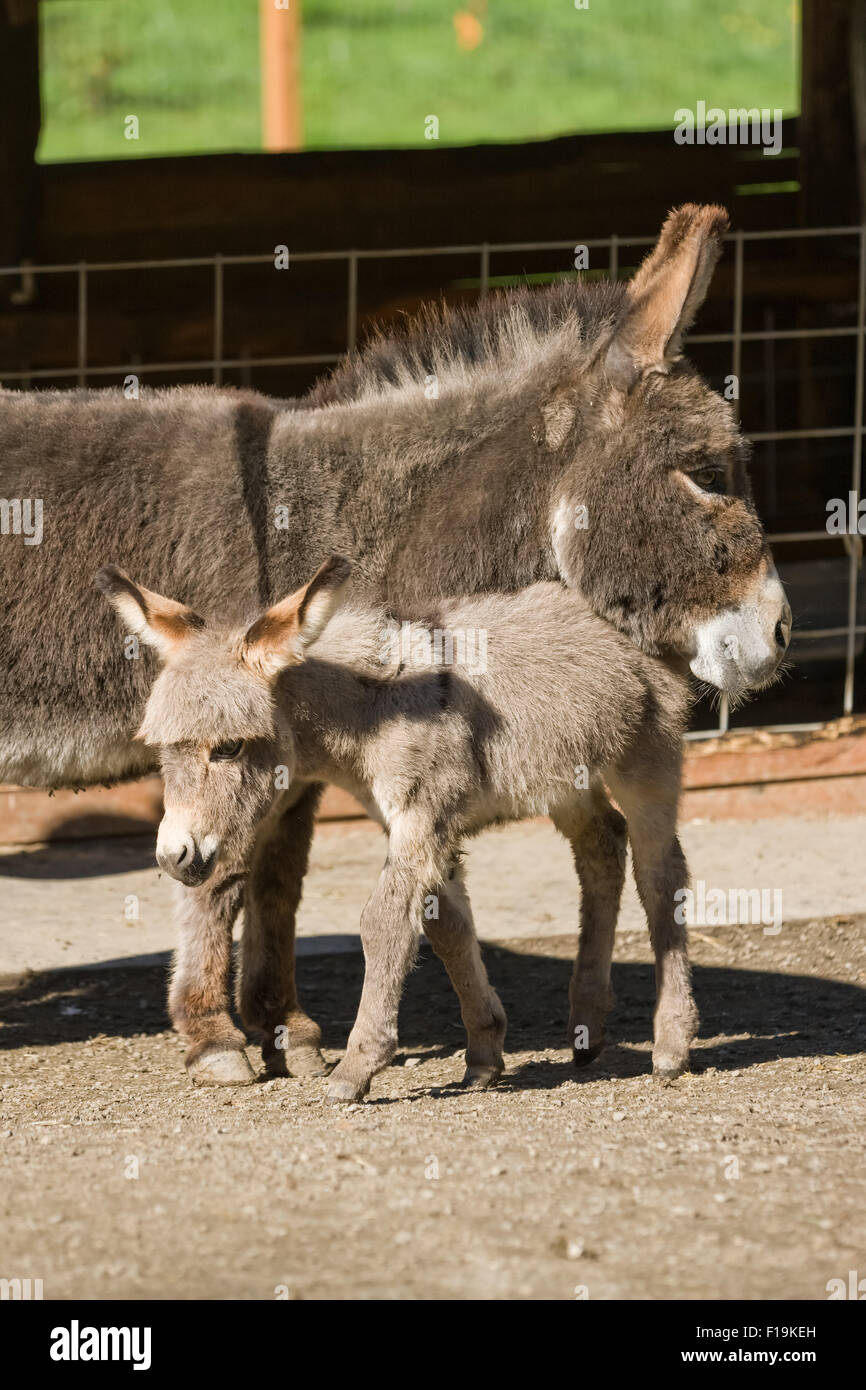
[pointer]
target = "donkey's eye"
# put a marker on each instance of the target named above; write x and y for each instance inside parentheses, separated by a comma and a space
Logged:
(224, 752)
(710, 479)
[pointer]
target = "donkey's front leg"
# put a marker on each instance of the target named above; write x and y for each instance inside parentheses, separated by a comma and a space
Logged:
(267, 997)
(389, 934)
(198, 998)
(660, 870)
(452, 936)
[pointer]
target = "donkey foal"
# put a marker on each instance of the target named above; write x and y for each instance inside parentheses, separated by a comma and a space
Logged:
(319, 690)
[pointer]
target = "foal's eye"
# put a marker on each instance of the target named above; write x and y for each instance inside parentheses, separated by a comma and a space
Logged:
(224, 752)
(710, 479)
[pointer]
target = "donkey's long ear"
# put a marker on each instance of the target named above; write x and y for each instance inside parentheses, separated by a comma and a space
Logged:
(666, 293)
(278, 638)
(159, 622)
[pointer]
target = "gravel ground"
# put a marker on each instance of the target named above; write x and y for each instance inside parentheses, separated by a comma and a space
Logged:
(744, 1179)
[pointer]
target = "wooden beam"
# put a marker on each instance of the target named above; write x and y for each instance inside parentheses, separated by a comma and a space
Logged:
(837, 749)
(581, 186)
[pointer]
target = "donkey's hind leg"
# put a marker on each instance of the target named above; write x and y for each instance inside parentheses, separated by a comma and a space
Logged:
(452, 936)
(597, 834)
(267, 997)
(198, 999)
(649, 797)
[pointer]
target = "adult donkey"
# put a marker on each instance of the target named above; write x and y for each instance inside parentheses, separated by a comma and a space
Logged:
(567, 439)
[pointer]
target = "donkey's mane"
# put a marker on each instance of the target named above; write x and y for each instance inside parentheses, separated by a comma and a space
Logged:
(449, 340)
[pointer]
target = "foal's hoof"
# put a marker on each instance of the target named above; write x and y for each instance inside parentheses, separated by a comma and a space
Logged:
(306, 1060)
(480, 1078)
(344, 1092)
(228, 1068)
(582, 1056)
(668, 1069)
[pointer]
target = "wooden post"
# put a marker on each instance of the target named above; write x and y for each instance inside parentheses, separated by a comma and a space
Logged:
(827, 141)
(280, 46)
(19, 131)
(858, 91)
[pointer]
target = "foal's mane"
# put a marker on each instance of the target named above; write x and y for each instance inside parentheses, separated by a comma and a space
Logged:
(461, 339)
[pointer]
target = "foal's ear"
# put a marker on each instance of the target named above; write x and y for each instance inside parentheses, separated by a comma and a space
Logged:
(278, 638)
(159, 622)
(666, 293)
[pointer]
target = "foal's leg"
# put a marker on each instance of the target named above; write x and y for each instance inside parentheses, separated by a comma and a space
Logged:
(597, 835)
(198, 999)
(267, 998)
(650, 806)
(390, 925)
(453, 939)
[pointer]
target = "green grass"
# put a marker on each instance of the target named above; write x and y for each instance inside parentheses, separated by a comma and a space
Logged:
(373, 70)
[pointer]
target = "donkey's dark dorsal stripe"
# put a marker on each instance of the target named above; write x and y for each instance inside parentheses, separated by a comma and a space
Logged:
(253, 421)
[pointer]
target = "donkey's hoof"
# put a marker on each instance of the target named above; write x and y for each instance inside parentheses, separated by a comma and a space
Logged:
(306, 1060)
(480, 1078)
(668, 1070)
(228, 1068)
(345, 1092)
(582, 1056)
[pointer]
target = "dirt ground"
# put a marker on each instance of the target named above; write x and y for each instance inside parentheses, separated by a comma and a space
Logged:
(65, 904)
(744, 1179)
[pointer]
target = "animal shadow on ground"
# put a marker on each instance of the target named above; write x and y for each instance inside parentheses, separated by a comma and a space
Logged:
(85, 847)
(747, 1016)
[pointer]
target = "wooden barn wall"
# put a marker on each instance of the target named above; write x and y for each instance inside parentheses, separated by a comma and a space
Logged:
(585, 187)
(593, 184)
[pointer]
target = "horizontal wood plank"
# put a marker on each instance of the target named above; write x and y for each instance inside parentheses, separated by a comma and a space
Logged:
(745, 774)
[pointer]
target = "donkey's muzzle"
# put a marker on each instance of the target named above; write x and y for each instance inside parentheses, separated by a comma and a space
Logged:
(741, 647)
(186, 860)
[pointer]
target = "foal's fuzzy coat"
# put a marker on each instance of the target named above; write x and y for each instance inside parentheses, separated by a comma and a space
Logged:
(436, 752)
